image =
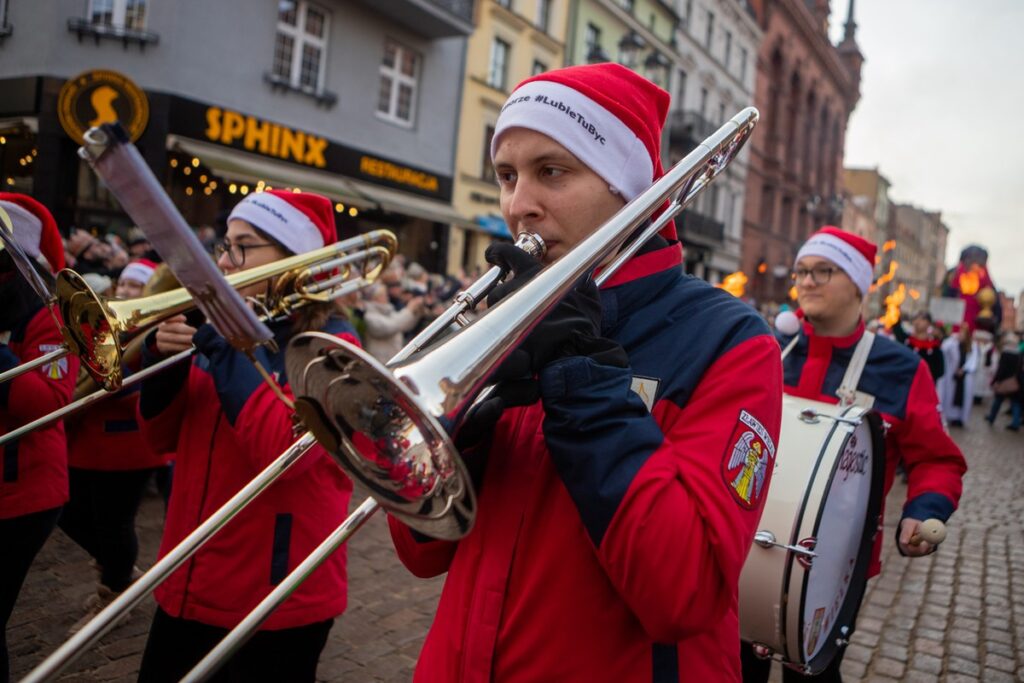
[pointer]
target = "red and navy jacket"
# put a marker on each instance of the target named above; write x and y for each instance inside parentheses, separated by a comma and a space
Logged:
(904, 393)
(613, 520)
(106, 436)
(224, 425)
(34, 468)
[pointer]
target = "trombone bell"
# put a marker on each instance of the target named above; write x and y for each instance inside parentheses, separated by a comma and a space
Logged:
(390, 440)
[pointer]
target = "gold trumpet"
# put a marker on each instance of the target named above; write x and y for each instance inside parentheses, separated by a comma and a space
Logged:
(99, 331)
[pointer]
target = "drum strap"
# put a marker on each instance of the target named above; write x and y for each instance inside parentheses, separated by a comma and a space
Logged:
(790, 346)
(847, 392)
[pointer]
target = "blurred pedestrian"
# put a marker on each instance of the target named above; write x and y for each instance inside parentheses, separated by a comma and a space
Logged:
(386, 325)
(1008, 382)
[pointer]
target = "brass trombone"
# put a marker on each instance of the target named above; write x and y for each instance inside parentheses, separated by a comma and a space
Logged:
(98, 329)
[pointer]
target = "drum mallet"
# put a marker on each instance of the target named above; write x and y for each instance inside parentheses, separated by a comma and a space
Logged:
(931, 530)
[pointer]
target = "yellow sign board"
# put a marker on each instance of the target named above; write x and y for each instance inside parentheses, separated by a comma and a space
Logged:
(228, 127)
(96, 97)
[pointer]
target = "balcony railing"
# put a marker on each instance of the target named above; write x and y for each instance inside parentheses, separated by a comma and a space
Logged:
(430, 18)
(687, 129)
(706, 230)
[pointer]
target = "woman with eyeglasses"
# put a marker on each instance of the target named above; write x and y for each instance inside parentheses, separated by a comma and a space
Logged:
(224, 424)
(832, 275)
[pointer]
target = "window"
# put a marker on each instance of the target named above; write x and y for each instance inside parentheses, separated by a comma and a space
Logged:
(125, 14)
(711, 30)
(538, 67)
(592, 39)
(5, 28)
(497, 72)
(681, 90)
(487, 167)
(399, 76)
(544, 15)
(721, 113)
(626, 5)
(687, 14)
(703, 102)
(728, 50)
(743, 65)
(300, 50)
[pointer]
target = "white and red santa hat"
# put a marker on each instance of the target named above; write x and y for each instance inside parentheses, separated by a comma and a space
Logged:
(851, 253)
(139, 270)
(35, 230)
(607, 116)
(300, 221)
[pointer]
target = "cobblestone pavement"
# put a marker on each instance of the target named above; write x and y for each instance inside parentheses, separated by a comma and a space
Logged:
(956, 616)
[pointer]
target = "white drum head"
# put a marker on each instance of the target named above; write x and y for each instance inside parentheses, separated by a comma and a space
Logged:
(840, 533)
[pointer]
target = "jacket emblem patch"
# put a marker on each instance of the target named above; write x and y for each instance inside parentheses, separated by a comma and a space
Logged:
(56, 369)
(745, 463)
(646, 388)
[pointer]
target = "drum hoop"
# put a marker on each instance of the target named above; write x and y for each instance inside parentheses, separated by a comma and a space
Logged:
(787, 574)
(858, 582)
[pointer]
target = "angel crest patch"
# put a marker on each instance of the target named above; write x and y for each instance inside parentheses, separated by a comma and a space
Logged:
(746, 460)
(55, 369)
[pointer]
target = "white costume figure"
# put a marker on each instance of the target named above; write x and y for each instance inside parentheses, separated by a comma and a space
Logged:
(988, 361)
(947, 386)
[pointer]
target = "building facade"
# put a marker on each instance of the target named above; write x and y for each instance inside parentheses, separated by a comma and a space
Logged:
(806, 89)
(513, 39)
(714, 70)
(349, 98)
(920, 252)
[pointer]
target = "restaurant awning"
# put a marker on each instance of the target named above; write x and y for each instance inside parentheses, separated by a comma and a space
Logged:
(397, 201)
(239, 166)
(494, 225)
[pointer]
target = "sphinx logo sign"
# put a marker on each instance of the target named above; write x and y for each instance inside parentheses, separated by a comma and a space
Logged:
(230, 128)
(96, 97)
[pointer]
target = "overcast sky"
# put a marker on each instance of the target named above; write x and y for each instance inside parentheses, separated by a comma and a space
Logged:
(941, 115)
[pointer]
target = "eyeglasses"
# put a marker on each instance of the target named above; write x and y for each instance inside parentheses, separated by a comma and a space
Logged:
(820, 275)
(236, 252)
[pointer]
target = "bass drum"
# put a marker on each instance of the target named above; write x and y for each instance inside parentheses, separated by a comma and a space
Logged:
(804, 579)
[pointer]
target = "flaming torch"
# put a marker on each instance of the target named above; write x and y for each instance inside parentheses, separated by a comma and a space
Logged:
(892, 307)
(734, 283)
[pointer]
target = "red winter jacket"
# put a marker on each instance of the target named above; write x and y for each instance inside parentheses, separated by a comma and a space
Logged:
(224, 425)
(106, 437)
(34, 469)
(905, 396)
(609, 539)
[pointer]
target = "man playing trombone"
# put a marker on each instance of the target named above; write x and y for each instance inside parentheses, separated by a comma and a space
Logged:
(616, 512)
(224, 424)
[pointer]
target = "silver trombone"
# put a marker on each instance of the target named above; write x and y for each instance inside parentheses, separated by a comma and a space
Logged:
(111, 615)
(441, 383)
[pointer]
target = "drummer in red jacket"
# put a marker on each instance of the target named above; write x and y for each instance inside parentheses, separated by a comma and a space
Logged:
(33, 469)
(832, 274)
(109, 466)
(613, 518)
(224, 425)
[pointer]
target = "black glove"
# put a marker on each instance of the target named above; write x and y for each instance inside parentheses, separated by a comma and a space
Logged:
(571, 328)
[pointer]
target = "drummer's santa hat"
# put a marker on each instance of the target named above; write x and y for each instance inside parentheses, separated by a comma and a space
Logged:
(34, 228)
(852, 253)
(608, 116)
(139, 270)
(300, 221)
